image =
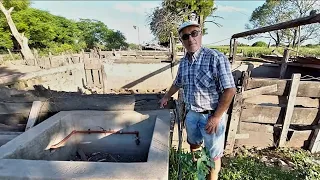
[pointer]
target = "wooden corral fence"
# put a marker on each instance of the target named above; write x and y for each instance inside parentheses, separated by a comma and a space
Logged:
(145, 56)
(275, 112)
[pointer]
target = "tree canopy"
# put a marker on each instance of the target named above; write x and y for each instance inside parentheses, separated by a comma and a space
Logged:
(172, 13)
(46, 31)
(274, 11)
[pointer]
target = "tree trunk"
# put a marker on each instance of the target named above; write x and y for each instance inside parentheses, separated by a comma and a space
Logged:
(278, 40)
(294, 41)
(21, 39)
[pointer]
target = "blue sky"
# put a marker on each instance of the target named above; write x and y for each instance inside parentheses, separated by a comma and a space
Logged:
(122, 15)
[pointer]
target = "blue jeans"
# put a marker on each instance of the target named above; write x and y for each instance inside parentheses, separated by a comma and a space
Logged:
(196, 133)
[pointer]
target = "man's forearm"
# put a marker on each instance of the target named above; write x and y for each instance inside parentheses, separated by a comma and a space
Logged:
(225, 101)
(173, 89)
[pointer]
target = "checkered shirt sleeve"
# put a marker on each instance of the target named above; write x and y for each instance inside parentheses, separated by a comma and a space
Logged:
(224, 72)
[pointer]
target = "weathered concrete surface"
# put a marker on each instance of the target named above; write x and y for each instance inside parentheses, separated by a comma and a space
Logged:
(66, 78)
(139, 76)
(38, 140)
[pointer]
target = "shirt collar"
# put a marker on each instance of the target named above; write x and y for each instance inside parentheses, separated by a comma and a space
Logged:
(195, 55)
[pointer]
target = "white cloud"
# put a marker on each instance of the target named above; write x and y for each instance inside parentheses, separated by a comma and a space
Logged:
(141, 8)
(223, 8)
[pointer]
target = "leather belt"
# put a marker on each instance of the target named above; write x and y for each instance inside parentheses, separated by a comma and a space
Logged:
(207, 112)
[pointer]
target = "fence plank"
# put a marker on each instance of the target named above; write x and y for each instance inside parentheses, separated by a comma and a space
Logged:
(35, 110)
(315, 141)
(259, 91)
(306, 88)
(284, 64)
(273, 114)
(234, 122)
(289, 109)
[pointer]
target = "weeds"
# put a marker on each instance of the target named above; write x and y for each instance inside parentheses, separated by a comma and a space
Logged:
(190, 170)
(247, 165)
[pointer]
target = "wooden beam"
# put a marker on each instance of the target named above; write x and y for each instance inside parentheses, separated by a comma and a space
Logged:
(96, 78)
(104, 80)
(234, 122)
(306, 88)
(33, 116)
(273, 114)
(234, 51)
(86, 102)
(315, 141)
(259, 91)
(14, 108)
(285, 25)
(284, 63)
(262, 135)
(282, 101)
(289, 109)
(96, 66)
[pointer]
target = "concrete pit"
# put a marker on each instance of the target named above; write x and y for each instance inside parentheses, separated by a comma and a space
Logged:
(91, 145)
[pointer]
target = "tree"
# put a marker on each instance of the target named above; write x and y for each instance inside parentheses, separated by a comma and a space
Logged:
(166, 19)
(21, 39)
(259, 44)
(274, 11)
(96, 34)
(46, 31)
(115, 40)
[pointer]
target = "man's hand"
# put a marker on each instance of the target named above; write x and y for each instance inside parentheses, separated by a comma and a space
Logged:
(163, 102)
(212, 124)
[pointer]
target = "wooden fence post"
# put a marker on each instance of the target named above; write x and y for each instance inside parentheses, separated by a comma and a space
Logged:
(104, 79)
(284, 63)
(34, 113)
(173, 46)
(10, 54)
(50, 59)
(36, 57)
(234, 51)
(315, 141)
(289, 109)
(235, 115)
(83, 55)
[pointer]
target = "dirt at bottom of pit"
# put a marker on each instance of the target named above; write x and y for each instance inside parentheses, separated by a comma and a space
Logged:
(107, 157)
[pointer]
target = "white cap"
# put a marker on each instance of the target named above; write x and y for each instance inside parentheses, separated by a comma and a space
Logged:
(186, 24)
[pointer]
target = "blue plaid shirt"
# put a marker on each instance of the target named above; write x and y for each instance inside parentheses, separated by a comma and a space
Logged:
(203, 78)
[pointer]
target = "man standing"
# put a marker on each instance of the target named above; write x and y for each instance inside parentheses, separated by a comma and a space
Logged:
(208, 85)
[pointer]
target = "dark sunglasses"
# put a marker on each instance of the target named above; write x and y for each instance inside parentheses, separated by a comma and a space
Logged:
(194, 33)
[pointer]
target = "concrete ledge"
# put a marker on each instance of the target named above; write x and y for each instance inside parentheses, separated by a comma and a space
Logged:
(156, 166)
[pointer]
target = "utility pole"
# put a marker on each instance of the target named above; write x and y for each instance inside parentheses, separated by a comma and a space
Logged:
(136, 27)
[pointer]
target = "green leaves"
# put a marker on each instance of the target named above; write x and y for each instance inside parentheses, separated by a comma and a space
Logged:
(47, 32)
(96, 34)
(275, 11)
(190, 170)
(172, 13)
(17, 4)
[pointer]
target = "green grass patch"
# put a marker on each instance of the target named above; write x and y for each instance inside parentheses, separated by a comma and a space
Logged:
(249, 51)
(247, 165)
(258, 51)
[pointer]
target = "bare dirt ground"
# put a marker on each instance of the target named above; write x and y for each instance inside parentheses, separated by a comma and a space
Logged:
(9, 69)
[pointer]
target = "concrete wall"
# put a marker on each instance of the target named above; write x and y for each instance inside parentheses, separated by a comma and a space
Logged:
(139, 76)
(38, 148)
(156, 167)
(120, 144)
(135, 76)
(36, 145)
(67, 78)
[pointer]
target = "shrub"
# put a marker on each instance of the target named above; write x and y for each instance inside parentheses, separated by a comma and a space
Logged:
(259, 44)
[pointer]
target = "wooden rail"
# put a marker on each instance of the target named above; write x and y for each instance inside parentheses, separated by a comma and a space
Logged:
(288, 114)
